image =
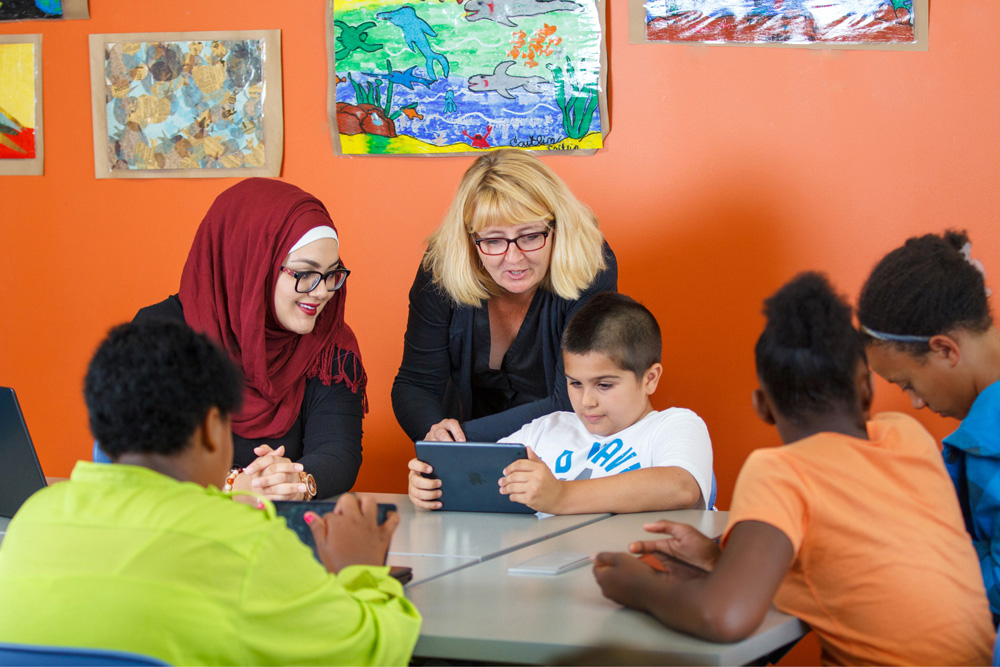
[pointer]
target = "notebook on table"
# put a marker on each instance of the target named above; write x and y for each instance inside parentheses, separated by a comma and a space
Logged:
(20, 475)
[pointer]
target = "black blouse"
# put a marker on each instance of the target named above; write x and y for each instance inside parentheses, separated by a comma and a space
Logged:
(326, 436)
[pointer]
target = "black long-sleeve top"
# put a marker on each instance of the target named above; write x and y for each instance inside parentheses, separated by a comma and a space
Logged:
(442, 364)
(326, 436)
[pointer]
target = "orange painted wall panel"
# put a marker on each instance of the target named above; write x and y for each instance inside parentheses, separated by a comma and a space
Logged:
(727, 171)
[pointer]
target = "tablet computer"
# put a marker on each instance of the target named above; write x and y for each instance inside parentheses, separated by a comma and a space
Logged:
(469, 474)
(294, 512)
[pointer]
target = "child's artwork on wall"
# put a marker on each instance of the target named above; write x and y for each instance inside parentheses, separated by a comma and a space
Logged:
(856, 24)
(187, 105)
(31, 10)
(21, 104)
(449, 78)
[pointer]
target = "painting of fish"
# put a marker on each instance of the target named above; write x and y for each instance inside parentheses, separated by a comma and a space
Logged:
(506, 73)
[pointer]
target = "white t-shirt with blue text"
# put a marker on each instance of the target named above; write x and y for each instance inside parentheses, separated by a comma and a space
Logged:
(672, 437)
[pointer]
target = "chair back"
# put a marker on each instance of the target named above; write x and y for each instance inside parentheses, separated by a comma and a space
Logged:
(62, 656)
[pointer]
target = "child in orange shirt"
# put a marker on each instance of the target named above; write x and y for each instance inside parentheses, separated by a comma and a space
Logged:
(853, 526)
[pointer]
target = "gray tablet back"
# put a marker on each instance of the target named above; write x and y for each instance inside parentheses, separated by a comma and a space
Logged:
(469, 474)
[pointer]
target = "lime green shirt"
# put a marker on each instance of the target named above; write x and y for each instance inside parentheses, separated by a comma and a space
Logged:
(122, 557)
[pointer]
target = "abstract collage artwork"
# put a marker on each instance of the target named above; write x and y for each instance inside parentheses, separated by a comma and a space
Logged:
(433, 78)
(177, 106)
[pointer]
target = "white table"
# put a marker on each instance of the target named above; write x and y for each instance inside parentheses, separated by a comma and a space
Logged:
(482, 613)
(477, 535)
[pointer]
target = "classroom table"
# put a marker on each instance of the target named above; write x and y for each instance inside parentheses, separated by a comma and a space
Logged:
(477, 535)
(483, 613)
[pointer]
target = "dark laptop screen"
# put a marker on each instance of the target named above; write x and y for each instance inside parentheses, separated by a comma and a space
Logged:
(20, 474)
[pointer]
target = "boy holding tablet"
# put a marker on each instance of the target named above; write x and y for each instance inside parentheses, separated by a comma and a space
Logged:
(853, 525)
(614, 453)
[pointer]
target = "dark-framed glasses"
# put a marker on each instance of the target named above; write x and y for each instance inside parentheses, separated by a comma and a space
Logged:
(307, 281)
(525, 243)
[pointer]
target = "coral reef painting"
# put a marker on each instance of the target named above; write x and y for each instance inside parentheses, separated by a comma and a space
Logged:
(431, 77)
(186, 104)
(20, 104)
(796, 22)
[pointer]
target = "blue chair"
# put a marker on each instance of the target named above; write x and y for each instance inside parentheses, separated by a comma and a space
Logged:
(711, 496)
(62, 656)
(100, 457)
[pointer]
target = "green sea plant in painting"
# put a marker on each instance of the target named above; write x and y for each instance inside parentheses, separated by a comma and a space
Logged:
(579, 105)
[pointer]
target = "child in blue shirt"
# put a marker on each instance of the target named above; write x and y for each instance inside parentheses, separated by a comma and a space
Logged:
(926, 319)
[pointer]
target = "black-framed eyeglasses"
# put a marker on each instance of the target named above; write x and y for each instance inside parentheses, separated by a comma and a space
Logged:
(307, 281)
(525, 243)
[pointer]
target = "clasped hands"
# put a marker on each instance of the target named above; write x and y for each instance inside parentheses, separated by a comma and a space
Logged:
(684, 554)
(272, 475)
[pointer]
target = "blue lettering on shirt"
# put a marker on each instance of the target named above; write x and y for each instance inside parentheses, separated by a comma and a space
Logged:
(610, 456)
(564, 462)
(606, 452)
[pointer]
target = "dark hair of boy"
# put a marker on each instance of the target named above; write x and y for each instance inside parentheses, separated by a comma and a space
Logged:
(618, 327)
(150, 385)
(924, 288)
(809, 351)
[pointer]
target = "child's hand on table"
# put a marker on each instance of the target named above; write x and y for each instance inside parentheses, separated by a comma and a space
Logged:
(683, 542)
(529, 481)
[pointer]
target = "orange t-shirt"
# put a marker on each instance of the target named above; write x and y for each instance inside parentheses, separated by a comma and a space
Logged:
(884, 570)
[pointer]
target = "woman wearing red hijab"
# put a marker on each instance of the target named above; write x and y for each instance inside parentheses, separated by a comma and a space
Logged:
(265, 280)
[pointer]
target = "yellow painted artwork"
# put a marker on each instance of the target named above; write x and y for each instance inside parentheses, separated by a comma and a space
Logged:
(17, 101)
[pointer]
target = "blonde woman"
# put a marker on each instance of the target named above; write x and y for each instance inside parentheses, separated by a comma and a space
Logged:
(515, 256)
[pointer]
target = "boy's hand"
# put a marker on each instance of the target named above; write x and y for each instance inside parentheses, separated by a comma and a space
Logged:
(350, 534)
(529, 481)
(684, 543)
(423, 492)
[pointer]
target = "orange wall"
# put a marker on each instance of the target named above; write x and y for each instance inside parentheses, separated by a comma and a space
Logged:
(727, 171)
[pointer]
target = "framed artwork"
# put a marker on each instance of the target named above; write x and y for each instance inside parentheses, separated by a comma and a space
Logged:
(32, 10)
(21, 105)
(187, 105)
(826, 24)
(456, 78)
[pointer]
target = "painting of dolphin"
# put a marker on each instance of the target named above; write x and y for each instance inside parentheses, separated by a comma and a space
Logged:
(415, 32)
(501, 11)
(502, 83)
(407, 78)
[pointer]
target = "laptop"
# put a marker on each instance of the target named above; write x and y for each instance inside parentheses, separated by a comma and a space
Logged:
(20, 475)
(469, 472)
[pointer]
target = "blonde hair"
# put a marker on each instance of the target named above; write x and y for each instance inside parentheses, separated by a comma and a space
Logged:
(506, 188)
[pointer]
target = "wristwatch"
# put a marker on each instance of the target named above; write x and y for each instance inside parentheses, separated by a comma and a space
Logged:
(310, 483)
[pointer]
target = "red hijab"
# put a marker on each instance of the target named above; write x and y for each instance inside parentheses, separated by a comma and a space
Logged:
(227, 292)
